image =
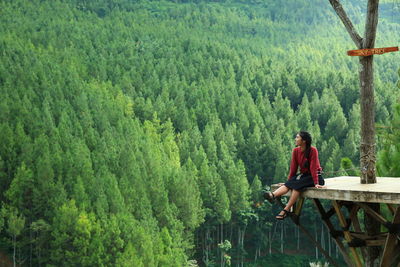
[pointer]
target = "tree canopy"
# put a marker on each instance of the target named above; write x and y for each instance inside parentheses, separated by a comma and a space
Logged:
(141, 132)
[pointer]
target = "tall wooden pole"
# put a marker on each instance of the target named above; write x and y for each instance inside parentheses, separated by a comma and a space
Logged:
(367, 146)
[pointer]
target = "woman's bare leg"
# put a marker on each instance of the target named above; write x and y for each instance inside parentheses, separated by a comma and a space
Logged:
(281, 191)
(293, 198)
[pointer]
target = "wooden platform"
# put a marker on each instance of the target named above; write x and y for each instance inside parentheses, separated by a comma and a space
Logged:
(352, 239)
(349, 188)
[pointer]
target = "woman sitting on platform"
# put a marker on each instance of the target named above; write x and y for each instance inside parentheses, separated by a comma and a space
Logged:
(304, 156)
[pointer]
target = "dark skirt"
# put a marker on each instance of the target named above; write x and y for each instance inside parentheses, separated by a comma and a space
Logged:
(300, 181)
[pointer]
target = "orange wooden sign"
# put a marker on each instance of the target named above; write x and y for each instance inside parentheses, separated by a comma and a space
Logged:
(372, 51)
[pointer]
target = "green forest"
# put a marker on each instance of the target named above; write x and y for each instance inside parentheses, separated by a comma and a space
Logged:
(142, 133)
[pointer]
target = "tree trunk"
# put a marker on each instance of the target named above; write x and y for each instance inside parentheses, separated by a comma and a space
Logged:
(367, 147)
(222, 233)
(282, 237)
(238, 246)
(270, 242)
(30, 246)
(15, 247)
(322, 237)
(316, 239)
(336, 251)
(330, 244)
(242, 246)
(206, 242)
(231, 232)
(222, 241)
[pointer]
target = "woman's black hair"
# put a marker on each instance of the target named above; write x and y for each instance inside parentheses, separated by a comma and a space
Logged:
(305, 136)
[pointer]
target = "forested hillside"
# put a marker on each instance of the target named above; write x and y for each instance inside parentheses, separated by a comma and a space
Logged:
(140, 133)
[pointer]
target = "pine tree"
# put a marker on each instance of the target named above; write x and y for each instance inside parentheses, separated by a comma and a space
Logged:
(15, 226)
(19, 194)
(303, 115)
(129, 257)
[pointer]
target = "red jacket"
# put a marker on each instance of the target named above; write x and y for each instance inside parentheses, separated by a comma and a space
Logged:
(298, 160)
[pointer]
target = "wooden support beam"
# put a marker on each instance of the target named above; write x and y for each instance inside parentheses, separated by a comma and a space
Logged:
(309, 236)
(373, 213)
(375, 243)
(396, 257)
(390, 242)
(347, 236)
(326, 219)
(368, 241)
(299, 206)
(354, 218)
(356, 225)
(391, 208)
(363, 235)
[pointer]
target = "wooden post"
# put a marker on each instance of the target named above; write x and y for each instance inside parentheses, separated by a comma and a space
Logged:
(367, 147)
(367, 103)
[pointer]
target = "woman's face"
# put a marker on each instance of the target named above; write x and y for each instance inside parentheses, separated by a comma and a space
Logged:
(299, 140)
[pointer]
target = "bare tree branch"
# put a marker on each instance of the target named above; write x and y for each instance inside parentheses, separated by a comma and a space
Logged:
(337, 6)
(371, 24)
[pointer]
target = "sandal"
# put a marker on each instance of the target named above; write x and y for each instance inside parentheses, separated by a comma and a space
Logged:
(281, 215)
(269, 196)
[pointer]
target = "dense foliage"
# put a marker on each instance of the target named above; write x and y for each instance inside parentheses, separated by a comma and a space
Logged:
(140, 133)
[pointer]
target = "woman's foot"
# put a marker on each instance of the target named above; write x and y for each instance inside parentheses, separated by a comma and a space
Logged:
(269, 196)
(282, 215)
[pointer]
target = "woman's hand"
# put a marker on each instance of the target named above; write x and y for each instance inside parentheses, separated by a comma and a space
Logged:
(319, 186)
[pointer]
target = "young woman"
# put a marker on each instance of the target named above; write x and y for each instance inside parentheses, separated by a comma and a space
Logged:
(304, 158)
